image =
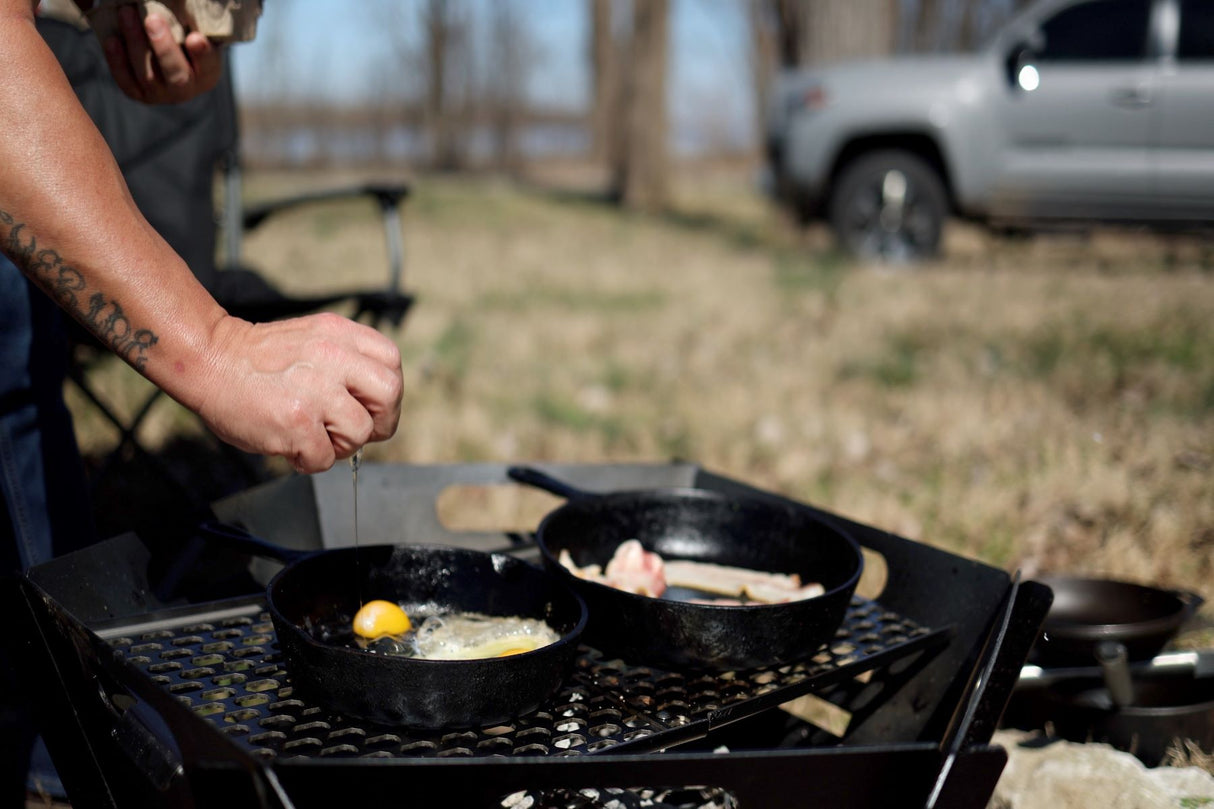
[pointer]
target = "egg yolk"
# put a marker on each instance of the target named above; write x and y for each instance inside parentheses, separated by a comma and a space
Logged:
(378, 618)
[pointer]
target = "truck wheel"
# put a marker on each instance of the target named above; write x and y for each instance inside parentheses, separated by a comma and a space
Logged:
(888, 206)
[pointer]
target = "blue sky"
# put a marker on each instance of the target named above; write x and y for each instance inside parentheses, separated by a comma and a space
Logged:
(344, 50)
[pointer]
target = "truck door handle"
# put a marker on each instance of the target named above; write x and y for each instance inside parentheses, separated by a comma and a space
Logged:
(1131, 97)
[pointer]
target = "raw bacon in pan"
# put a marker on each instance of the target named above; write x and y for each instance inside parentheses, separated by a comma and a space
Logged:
(636, 570)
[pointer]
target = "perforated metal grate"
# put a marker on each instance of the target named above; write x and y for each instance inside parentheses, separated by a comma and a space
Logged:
(228, 669)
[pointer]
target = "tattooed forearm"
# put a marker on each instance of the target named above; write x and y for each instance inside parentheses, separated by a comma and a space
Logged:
(110, 323)
(104, 317)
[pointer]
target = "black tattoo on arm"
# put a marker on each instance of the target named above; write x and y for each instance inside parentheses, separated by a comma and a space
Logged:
(104, 317)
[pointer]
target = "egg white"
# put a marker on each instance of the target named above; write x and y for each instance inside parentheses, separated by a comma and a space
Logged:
(469, 636)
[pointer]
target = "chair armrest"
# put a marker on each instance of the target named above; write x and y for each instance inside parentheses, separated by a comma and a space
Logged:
(388, 196)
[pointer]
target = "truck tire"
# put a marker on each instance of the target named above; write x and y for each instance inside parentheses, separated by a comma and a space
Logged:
(888, 206)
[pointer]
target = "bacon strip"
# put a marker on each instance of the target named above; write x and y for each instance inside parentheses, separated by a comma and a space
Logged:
(636, 570)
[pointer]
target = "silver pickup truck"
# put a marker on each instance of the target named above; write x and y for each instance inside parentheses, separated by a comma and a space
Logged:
(1076, 111)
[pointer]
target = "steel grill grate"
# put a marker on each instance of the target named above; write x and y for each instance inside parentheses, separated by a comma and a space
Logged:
(865, 721)
(229, 670)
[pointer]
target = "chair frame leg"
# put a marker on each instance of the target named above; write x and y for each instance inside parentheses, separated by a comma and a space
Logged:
(127, 436)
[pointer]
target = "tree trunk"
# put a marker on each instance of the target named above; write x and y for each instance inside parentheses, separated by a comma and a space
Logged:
(445, 148)
(642, 172)
(928, 26)
(604, 69)
(790, 26)
(763, 28)
(507, 84)
(838, 30)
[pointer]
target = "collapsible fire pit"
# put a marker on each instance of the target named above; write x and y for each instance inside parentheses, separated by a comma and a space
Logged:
(149, 700)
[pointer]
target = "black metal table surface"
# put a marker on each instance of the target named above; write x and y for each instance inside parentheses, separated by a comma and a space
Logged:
(223, 663)
(920, 719)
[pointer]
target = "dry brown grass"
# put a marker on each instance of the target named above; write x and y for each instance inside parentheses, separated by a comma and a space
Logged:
(1045, 404)
(1187, 753)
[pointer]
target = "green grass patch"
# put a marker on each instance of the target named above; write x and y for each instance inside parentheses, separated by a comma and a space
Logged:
(454, 347)
(496, 207)
(798, 271)
(559, 411)
(544, 296)
(898, 365)
(618, 377)
(330, 219)
(1044, 351)
(998, 546)
(822, 488)
(677, 443)
(740, 234)
(1104, 360)
(1181, 345)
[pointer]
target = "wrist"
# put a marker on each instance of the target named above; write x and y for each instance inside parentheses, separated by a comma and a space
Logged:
(192, 367)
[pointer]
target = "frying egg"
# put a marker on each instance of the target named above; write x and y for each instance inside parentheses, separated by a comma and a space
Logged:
(378, 618)
(467, 636)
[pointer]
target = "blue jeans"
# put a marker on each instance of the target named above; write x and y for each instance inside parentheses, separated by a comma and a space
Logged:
(45, 491)
(41, 474)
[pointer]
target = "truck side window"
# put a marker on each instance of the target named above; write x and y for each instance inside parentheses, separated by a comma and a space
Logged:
(1196, 31)
(1101, 30)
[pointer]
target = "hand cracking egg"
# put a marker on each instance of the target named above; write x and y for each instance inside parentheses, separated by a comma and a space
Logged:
(379, 618)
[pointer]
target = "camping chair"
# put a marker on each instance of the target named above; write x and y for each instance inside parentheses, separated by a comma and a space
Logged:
(169, 156)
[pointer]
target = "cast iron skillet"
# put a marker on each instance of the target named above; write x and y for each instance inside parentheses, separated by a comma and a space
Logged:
(701, 525)
(320, 588)
(1166, 706)
(1087, 611)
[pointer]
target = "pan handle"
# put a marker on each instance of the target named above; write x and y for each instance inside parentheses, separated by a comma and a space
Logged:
(1192, 602)
(531, 476)
(240, 540)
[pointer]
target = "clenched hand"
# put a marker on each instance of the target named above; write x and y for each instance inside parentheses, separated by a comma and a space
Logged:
(312, 389)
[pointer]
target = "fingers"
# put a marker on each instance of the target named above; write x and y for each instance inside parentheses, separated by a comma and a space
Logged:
(366, 340)
(170, 57)
(149, 65)
(206, 58)
(349, 427)
(368, 366)
(373, 377)
(341, 431)
(128, 55)
(313, 456)
(377, 388)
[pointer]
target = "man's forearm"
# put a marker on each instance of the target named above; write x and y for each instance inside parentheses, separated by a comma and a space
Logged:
(103, 316)
(310, 389)
(67, 220)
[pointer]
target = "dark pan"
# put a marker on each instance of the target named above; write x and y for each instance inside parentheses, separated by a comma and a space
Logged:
(324, 588)
(1087, 611)
(1167, 706)
(700, 525)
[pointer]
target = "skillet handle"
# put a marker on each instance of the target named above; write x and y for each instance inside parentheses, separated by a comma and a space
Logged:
(240, 540)
(531, 476)
(1192, 602)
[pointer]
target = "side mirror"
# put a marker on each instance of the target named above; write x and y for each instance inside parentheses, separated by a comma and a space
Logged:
(1020, 64)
